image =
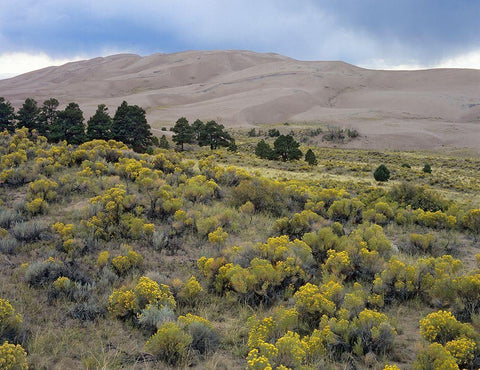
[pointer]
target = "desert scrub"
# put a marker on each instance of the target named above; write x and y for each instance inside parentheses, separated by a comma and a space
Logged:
(169, 344)
(189, 292)
(204, 337)
(29, 231)
(13, 357)
(443, 327)
(123, 264)
(10, 320)
(218, 237)
(463, 350)
(148, 291)
(121, 303)
(435, 356)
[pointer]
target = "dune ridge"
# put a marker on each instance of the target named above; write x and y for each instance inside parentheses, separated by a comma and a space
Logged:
(426, 109)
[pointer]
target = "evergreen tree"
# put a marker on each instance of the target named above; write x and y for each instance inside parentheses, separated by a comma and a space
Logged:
(286, 147)
(197, 128)
(310, 157)
(232, 147)
(47, 117)
(214, 135)
(7, 115)
(99, 126)
(131, 127)
(263, 150)
(382, 173)
(164, 144)
(29, 115)
(69, 125)
(183, 132)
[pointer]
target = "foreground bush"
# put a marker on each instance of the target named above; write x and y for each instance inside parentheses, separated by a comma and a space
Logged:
(13, 357)
(9, 319)
(169, 344)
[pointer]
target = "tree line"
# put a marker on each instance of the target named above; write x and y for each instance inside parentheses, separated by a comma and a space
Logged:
(129, 124)
(204, 134)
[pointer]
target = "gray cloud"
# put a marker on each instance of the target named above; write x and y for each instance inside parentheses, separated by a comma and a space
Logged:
(395, 32)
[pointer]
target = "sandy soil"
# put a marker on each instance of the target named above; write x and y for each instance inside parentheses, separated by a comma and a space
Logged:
(428, 109)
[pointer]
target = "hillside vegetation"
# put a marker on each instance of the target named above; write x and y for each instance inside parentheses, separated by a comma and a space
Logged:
(220, 259)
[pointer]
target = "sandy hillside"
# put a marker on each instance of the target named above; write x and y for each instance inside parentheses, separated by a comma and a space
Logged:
(426, 109)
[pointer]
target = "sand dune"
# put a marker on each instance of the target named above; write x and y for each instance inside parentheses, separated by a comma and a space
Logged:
(396, 109)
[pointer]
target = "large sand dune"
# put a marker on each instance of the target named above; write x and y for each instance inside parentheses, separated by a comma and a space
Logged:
(426, 109)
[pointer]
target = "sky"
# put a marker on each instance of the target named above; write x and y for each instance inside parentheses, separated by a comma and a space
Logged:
(381, 34)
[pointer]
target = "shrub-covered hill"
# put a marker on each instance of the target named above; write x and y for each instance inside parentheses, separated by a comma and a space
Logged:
(114, 259)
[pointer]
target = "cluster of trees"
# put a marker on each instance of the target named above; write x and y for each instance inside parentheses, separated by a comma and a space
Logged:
(210, 133)
(128, 125)
(285, 147)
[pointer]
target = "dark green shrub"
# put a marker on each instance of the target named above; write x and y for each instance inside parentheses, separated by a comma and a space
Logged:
(427, 168)
(382, 173)
(310, 157)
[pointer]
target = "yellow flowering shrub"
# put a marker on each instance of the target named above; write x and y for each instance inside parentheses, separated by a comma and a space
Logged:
(311, 304)
(103, 258)
(13, 357)
(148, 291)
(36, 206)
(422, 242)
(292, 351)
(443, 327)
(373, 331)
(199, 189)
(472, 221)
(189, 319)
(438, 219)
(123, 264)
(218, 237)
(190, 291)
(63, 284)
(435, 356)
(44, 189)
(391, 367)
(9, 319)
(338, 263)
(463, 350)
(121, 302)
(169, 344)
(297, 225)
(346, 209)
(255, 361)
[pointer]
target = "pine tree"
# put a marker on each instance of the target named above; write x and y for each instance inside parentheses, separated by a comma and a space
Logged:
(263, 150)
(47, 117)
(7, 116)
(310, 157)
(286, 147)
(130, 126)
(197, 128)
(214, 135)
(164, 144)
(183, 132)
(69, 125)
(99, 126)
(29, 115)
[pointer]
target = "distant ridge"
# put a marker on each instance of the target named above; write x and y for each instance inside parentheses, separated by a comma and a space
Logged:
(398, 109)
